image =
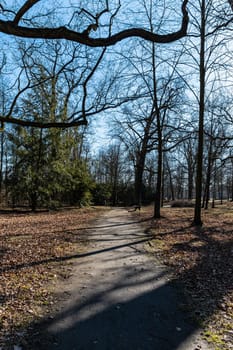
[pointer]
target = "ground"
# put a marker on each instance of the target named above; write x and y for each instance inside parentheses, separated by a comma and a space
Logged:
(112, 295)
(202, 259)
(33, 252)
(119, 297)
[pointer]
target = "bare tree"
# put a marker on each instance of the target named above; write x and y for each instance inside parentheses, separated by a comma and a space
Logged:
(71, 68)
(109, 171)
(3, 103)
(208, 54)
(152, 123)
(190, 157)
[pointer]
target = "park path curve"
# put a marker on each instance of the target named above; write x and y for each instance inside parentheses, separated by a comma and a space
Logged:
(119, 297)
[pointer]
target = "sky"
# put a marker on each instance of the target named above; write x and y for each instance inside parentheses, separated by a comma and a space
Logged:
(133, 15)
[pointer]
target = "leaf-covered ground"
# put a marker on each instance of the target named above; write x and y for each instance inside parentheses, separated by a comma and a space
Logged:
(202, 259)
(35, 250)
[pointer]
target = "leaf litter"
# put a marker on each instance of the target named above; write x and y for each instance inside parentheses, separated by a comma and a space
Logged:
(201, 259)
(35, 250)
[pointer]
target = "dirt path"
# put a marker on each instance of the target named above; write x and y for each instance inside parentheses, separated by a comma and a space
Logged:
(119, 298)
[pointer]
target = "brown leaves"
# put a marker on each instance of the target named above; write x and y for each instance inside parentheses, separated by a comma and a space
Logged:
(32, 247)
(202, 258)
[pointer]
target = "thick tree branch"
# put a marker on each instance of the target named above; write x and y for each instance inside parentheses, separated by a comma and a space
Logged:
(29, 4)
(41, 124)
(12, 28)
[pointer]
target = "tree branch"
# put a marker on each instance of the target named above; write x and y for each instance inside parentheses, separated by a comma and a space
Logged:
(29, 4)
(12, 28)
(41, 124)
(87, 80)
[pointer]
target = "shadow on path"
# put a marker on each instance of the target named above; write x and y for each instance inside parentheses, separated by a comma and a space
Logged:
(119, 299)
(75, 256)
(148, 322)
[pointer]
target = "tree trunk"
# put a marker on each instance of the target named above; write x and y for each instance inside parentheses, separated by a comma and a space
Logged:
(158, 191)
(190, 186)
(115, 187)
(1, 161)
(170, 181)
(207, 186)
(232, 183)
(197, 213)
(138, 182)
(140, 162)
(208, 175)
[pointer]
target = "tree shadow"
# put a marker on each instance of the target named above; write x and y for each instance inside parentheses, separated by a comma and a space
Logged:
(81, 231)
(202, 259)
(211, 279)
(111, 225)
(147, 322)
(151, 318)
(21, 211)
(74, 256)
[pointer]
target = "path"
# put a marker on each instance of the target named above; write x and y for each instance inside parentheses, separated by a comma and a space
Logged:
(119, 298)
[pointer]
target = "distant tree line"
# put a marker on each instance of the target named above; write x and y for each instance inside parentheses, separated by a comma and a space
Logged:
(169, 107)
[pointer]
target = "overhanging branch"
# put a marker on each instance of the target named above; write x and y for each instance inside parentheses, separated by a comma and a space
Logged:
(24, 9)
(12, 28)
(60, 125)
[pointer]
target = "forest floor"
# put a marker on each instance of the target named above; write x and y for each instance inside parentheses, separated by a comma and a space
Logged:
(43, 254)
(202, 259)
(35, 251)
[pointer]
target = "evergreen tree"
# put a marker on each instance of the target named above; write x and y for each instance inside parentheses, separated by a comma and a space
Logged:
(46, 166)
